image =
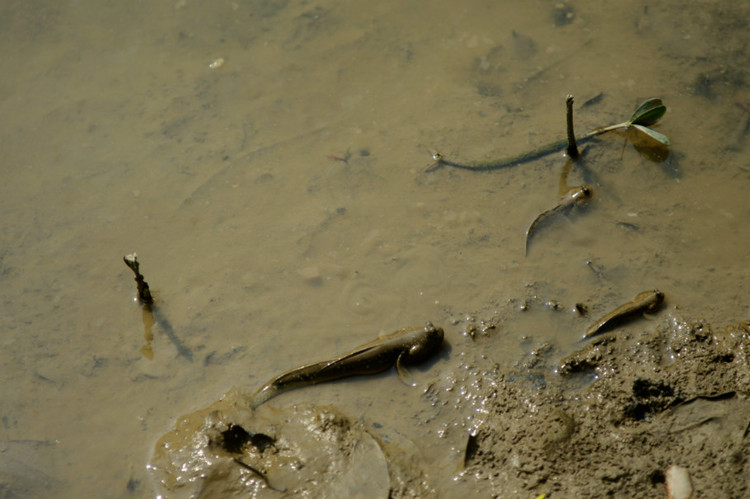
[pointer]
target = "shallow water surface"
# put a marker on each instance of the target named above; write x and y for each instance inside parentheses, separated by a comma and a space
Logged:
(267, 161)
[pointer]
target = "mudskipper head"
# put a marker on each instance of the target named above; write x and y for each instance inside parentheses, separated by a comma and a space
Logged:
(425, 344)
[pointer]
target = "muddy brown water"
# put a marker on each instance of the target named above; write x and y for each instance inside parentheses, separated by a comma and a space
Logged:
(208, 138)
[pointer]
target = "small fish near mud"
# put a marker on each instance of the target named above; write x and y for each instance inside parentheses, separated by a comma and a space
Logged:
(574, 197)
(644, 302)
(404, 347)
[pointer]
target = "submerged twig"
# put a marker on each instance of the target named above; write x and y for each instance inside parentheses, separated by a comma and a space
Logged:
(497, 164)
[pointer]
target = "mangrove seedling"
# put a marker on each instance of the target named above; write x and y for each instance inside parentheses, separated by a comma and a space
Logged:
(647, 114)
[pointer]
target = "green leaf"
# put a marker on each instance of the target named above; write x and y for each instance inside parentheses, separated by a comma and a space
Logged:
(653, 134)
(648, 113)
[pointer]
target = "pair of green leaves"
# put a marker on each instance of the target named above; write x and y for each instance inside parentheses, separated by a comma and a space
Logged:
(646, 115)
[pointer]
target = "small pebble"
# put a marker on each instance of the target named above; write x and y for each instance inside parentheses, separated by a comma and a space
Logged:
(679, 485)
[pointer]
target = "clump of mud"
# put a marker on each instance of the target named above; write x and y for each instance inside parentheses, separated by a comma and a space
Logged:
(303, 451)
(617, 414)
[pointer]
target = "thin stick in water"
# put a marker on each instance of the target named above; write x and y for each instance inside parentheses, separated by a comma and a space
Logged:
(572, 148)
(144, 294)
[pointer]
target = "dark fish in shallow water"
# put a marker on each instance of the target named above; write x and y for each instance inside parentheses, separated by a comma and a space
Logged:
(573, 197)
(646, 301)
(404, 347)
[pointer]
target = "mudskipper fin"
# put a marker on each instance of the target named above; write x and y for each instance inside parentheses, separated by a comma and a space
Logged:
(403, 373)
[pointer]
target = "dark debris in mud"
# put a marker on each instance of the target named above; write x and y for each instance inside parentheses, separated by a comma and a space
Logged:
(235, 438)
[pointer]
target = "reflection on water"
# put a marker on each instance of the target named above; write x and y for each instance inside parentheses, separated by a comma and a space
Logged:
(266, 250)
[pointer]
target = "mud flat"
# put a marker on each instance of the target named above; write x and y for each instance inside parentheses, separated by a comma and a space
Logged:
(606, 421)
(618, 414)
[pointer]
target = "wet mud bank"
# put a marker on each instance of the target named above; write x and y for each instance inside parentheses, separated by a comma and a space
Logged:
(618, 413)
(605, 421)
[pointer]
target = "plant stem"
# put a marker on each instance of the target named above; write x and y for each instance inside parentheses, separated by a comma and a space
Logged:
(569, 144)
(572, 148)
(144, 294)
(526, 157)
